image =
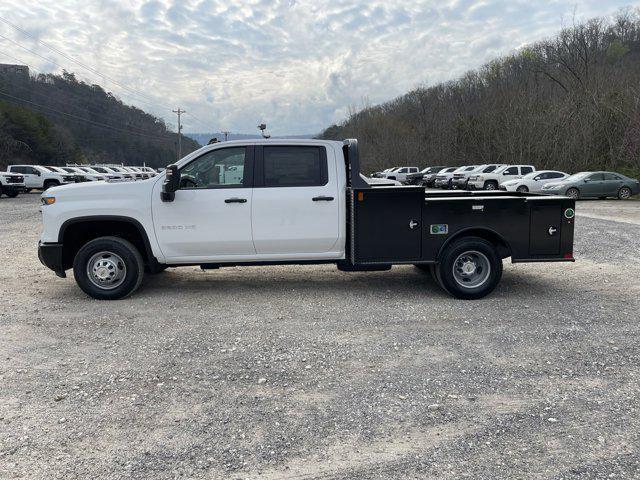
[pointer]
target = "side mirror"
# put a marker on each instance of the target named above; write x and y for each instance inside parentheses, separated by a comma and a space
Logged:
(587, 180)
(537, 179)
(171, 184)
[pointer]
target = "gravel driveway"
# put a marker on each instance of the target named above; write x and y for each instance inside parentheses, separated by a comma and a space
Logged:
(307, 372)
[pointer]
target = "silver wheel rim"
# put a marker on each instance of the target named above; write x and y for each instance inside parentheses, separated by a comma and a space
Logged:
(573, 193)
(522, 189)
(106, 270)
(625, 193)
(490, 186)
(471, 269)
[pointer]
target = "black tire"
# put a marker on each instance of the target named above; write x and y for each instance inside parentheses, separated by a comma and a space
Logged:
(49, 184)
(522, 189)
(27, 190)
(624, 193)
(488, 268)
(1, 192)
(573, 192)
(490, 185)
(12, 193)
(131, 268)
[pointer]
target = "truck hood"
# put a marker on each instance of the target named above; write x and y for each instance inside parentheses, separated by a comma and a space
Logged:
(101, 189)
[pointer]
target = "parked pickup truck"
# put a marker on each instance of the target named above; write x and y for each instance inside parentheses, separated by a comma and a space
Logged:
(11, 184)
(269, 202)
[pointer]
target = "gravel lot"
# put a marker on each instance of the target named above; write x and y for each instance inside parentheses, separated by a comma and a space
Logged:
(307, 372)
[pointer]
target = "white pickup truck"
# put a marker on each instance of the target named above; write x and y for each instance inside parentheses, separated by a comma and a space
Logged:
(269, 202)
(39, 177)
(11, 184)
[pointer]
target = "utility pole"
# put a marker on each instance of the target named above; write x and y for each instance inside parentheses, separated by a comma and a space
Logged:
(226, 135)
(179, 113)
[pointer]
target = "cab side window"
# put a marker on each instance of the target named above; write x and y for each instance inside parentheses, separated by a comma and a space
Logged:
(215, 169)
(511, 171)
(293, 166)
(525, 170)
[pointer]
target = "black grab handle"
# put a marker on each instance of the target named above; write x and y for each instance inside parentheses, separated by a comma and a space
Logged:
(235, 200)
(322, 199)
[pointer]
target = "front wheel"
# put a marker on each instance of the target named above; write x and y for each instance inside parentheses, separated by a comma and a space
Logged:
(491, 185)
(573, 193)
(522, 189)
(108, 268)
(624, 193)
(49, 184)
(12, 193)
(470, 268)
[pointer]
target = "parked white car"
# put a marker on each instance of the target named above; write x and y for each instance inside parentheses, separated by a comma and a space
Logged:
(492, 181)
(88, 176)
(401, 173)
(534, 181)
(43, 178)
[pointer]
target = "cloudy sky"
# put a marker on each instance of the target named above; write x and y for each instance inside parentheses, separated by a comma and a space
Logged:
(295, 64)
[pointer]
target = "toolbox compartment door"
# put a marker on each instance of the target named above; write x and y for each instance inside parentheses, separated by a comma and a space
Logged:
(387, 225)
(545, 230)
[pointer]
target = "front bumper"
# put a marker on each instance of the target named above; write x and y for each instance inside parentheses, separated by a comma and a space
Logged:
(12, 187)
(50, 255)
(476, 184)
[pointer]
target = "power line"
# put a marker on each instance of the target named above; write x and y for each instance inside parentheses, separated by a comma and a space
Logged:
(86, 120)
(83, 65)
(88, 101)
(52, 61)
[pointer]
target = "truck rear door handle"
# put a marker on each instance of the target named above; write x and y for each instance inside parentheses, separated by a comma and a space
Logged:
(322, 199)
(235, 200)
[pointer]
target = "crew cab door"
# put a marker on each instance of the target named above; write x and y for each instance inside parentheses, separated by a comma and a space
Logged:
(295, 200)
(210, 217)
(31, 176)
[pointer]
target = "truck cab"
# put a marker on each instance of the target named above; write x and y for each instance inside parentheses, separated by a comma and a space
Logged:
(291, 202)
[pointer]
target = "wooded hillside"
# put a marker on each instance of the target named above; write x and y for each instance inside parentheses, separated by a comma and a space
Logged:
(571, 102)
(55, 119)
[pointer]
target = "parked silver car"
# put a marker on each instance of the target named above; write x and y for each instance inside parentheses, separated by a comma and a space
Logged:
(595, 185)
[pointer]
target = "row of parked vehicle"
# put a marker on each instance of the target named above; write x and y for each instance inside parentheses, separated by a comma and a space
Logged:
(516, 178)
(24, 178)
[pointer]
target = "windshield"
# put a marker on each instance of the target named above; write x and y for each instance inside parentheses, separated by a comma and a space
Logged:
(100, 170)
(577, 176)
(89, 170)
(44, 168)
(68, 169)
(501, 169)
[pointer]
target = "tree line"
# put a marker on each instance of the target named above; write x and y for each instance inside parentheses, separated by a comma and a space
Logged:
(571, 102)
(56, 119)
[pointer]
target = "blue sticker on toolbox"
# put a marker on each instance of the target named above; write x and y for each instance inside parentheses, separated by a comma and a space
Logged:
(440, 229)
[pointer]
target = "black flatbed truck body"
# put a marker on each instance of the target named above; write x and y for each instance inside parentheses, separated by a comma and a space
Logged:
(409, 225)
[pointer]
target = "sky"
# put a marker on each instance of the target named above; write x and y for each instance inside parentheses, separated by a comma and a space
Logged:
(296, 65)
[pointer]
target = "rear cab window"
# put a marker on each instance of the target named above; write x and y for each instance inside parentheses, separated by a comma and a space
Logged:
(292, 166)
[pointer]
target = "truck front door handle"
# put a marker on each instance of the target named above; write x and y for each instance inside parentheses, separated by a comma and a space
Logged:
(322, 199)
(235, 200)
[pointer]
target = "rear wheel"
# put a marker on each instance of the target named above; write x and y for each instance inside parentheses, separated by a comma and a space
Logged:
(491, 185)
(522, 189)
(108, 268)
(573, 193)
(470, 268)
(624, 193)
